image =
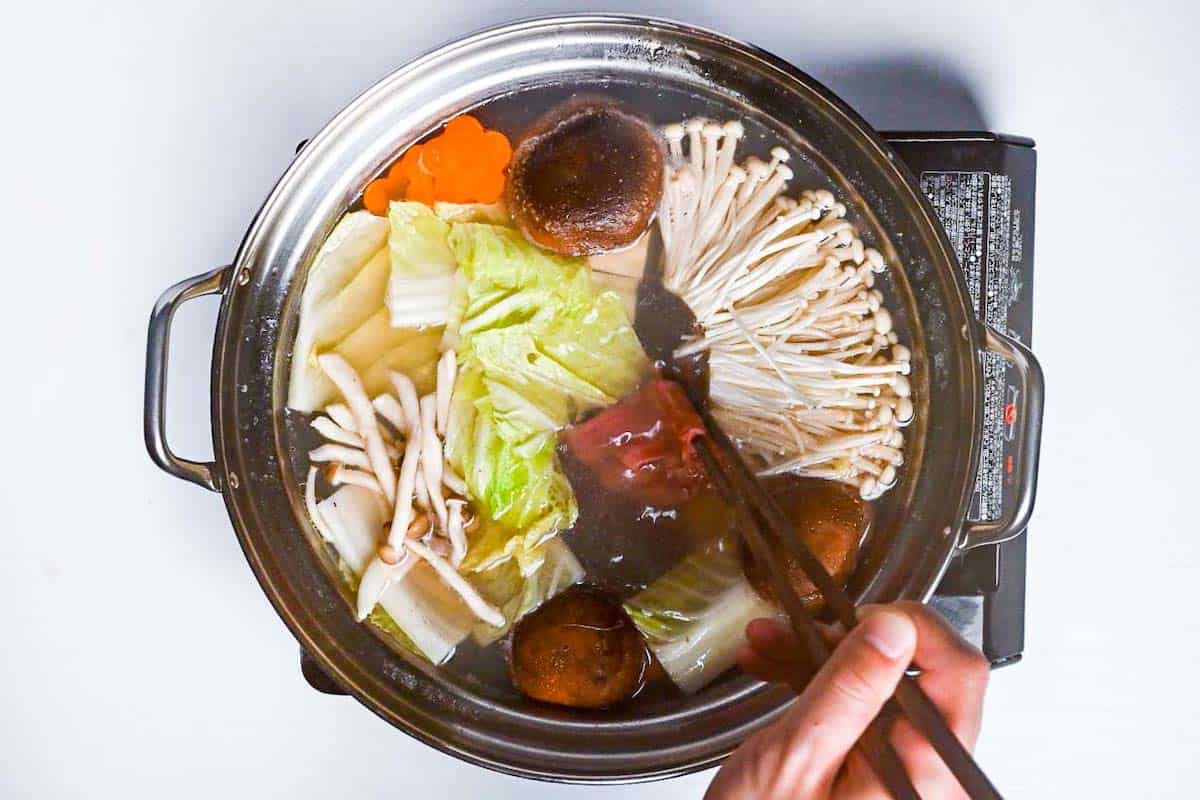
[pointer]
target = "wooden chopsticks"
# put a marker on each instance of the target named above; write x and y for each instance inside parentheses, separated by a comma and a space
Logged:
(757, 510)
(874, 744)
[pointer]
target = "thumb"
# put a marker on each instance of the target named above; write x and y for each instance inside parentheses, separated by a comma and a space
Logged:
(852, 686)
(800, 755)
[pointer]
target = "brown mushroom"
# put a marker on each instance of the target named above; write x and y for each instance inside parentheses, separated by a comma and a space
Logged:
(830, 517)
(579, 649)
(586, 178)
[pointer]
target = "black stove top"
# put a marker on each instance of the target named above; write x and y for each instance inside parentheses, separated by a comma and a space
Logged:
(982, 188)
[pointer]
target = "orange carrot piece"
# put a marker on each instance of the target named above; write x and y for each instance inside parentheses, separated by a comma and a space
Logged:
(421, 189)
(490, 187)
(497, 149)
(376, 197)
(463, 126)
(465, 163)
(397, 184)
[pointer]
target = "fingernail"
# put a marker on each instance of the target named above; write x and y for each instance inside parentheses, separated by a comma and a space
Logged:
(892, 634)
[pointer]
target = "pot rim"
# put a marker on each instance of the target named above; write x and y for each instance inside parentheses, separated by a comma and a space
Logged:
(226, 346)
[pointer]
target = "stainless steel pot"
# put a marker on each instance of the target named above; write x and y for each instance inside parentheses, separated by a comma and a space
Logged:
(921, 523)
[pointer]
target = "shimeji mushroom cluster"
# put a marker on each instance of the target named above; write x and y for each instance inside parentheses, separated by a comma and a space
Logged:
(403, 462)
(806, 372)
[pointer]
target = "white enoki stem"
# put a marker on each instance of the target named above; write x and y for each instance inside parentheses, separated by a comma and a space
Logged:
(405, 488)
(432, 458)
(340, 453)
(866, 465)
(440, 545)
(479, 607)
(347, 381)
(455, 530)
(342, 474)
(377, 578)
(389, 408)
(385, 433)
(453, 482)
(356, 439)
(336, 433)
(407, 392)
(310, 502)
(805, 368)
(340, 414)
(420, 488)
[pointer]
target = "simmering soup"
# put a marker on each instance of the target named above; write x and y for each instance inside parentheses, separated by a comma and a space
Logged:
(493, 378)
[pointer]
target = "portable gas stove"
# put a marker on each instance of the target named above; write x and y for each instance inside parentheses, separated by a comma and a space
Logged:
(982, 188)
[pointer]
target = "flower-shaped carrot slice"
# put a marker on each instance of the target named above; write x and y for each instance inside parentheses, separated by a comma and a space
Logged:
(464, 163)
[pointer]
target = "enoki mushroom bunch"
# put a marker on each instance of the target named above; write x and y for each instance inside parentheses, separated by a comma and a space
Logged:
(394, 446)
(806, 372)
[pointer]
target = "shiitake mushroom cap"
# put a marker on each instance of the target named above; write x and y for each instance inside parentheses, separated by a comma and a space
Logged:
(580, 649)
(586, 178)
(830, 517)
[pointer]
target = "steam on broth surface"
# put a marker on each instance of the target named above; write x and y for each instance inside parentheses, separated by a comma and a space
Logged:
(496, 453)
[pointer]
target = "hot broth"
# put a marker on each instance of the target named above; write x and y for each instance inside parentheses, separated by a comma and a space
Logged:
(632, 551)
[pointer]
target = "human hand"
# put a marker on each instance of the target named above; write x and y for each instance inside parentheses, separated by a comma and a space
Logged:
(809, 752)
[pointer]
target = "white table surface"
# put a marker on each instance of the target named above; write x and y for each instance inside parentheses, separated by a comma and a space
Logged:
(140, 658)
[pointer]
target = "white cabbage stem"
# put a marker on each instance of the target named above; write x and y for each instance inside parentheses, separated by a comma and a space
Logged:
(447, 369)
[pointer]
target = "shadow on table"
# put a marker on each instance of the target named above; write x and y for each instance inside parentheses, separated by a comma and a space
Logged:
(905, 92)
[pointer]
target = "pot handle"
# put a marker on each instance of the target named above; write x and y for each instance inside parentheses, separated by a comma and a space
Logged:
(158, 341)
(1029, 438)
